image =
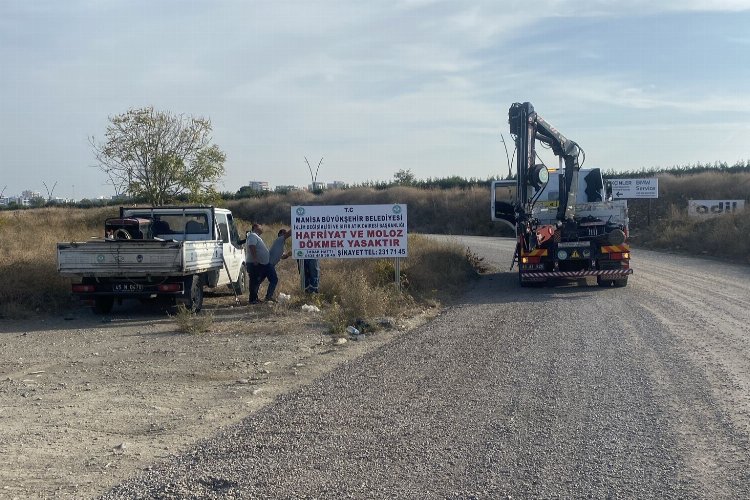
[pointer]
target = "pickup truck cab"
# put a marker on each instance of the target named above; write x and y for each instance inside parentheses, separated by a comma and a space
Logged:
(148, 252)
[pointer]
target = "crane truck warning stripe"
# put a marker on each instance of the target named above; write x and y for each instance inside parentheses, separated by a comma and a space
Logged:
(616, 248)
(573, 274)
(538, 252)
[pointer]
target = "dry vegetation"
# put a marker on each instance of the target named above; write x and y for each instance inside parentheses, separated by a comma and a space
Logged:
(363, 288)
(659, 224)
(351, 290)
(664, 224)
(189, 322)
(441, 211)
(28, 260)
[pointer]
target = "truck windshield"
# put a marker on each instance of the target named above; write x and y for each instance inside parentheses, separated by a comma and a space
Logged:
(190, 223)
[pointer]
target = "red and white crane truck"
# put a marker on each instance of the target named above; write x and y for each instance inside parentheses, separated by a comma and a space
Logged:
(565, 222)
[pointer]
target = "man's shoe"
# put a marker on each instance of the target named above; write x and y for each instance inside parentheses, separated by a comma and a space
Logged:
(256, 301)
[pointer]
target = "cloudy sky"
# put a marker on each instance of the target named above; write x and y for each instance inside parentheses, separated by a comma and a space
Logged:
(372, 86)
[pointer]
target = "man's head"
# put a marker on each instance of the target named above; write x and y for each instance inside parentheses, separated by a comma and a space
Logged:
(257, 228)
(282, 232)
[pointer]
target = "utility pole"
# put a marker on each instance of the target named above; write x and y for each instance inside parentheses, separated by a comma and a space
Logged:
(313, 177)
(49, 193)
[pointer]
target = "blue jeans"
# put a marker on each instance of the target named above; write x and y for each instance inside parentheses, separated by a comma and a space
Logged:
(312, 275)
(258, 273)
(273, 280)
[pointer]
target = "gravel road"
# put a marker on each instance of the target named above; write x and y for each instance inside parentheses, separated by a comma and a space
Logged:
(566, 391)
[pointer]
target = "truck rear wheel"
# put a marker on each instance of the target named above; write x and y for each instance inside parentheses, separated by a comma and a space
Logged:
(610, 282)
(603, 283)
(103, 304)
(193, 298)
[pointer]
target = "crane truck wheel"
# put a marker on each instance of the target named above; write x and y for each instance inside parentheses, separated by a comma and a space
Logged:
(620, 283)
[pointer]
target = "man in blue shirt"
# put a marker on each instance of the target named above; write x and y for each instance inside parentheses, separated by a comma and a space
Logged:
(276, 253)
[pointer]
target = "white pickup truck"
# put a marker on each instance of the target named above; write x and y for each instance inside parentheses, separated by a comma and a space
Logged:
(152, 252)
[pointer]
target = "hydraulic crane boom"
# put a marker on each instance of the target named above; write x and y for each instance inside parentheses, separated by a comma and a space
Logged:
(528, 127)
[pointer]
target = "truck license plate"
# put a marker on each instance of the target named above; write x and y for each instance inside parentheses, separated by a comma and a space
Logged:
(127, 287)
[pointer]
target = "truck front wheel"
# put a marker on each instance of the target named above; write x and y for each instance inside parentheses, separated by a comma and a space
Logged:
(103, 304)
(240, 286)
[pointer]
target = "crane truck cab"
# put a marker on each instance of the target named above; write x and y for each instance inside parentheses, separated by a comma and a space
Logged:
(565, 224)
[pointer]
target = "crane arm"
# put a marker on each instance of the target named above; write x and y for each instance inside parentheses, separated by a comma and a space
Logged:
(528, 127)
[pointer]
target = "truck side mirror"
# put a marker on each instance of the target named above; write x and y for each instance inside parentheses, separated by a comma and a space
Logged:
(608, 187)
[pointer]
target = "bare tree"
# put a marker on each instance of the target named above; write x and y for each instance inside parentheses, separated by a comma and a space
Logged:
(158, 156)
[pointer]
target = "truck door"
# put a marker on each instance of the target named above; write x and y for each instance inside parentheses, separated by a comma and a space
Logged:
(234, 254)
(504, 199)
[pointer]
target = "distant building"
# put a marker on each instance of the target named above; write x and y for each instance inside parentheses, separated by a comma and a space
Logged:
(258, 186)
(316, 186)
(286, 189)
(337, 185)
(31, 194)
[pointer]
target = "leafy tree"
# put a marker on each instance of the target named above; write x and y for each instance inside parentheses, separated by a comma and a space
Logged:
(159, 156)
(37, 201)
(404, 177)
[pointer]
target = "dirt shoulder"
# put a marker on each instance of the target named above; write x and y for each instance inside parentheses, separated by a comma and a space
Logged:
(86, 401)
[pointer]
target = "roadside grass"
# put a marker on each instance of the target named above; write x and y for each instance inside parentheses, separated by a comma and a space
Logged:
(663, 223)
(726, 236)
(28, 258)
(193, 323)
(361, 291)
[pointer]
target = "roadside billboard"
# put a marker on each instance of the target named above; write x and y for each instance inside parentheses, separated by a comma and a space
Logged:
(712, 208)
(349, 231)
(623, 189)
